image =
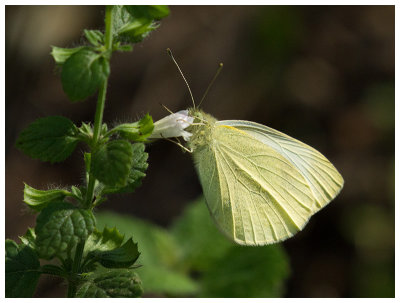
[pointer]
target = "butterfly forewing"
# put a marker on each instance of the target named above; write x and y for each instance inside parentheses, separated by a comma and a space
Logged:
(255, 194)
(323, 178)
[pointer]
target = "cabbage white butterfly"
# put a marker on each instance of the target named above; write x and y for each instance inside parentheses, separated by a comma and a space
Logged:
(260, 185)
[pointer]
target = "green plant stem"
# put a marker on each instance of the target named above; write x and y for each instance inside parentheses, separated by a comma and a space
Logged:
(98, 120)
(76, 266)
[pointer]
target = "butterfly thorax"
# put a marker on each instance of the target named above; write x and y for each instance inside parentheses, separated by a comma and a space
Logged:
(202, 129)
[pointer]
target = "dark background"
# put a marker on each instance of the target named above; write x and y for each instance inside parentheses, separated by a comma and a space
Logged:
(322, 74)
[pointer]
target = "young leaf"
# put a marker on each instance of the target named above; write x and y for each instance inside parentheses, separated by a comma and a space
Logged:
(126, 28)
(60, 54)
(83, 73)
(39, 199)
(111, 283)
(50, 139)
(60, 226)
(136, 174)
(112, 162)
(29, 238)
(123, 256)
(22, 270)
(95, 37)
(156, 12)
(108, 239)
(137, 131)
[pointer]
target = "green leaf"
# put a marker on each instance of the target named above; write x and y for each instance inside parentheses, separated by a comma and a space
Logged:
(136, 174)
(137, 131)
(192, 230)
(129, 29)
(162, 280)
(124, 256)
(95, 37)
(111, 283)
(160, 271)
(224, 268)
(108, 239)
(59, 227)
(61, 55)
(112, 162)
(83, 73)
(22, 270)
(148, 11)
(50, 139)
(39, 199)
(29, 238)
(247, 272)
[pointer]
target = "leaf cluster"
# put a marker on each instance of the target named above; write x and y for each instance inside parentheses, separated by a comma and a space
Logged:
(95, 263)
(185, 260)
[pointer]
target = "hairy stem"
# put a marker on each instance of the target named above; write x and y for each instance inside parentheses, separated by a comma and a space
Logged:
(98, 120)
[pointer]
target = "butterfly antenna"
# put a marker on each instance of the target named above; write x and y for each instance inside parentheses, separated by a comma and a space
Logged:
(211, 83)
(167, 109)
(184, 79)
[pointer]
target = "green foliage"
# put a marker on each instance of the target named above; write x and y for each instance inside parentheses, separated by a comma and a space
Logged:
(136, 174)
(50, 139)
(149, 12)
(123, 256)
(60, 55)
(39, 199)
(106, 248)
(95, 37)
(22, 270)
(159, 271)
(59, 227)
(29, 238)
(108, 239)
(111, 163)
(83, 73)
(193, 247)
(133, 23)
(111, 283)
(137, 131)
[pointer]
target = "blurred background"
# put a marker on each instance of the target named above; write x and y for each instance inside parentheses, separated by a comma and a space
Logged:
(322, 74)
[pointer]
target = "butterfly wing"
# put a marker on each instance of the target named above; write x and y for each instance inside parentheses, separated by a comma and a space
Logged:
(323, 178)
(255, 195)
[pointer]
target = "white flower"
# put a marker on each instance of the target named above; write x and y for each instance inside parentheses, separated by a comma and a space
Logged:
(173, 126)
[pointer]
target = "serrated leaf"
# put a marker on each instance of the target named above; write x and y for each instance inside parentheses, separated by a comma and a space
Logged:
(22, 270)
(59, 227)
(83, 73)
(112, 162)
(95, 37)
(50, 139)
(38, 199)
(159, 255)
(156, 12)
(29, 238)
(136, 174)
(108, 239)
(76, 193)
(111, 283)
(123, 256)
(129, 29)
(137, 131)
(60, 54)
